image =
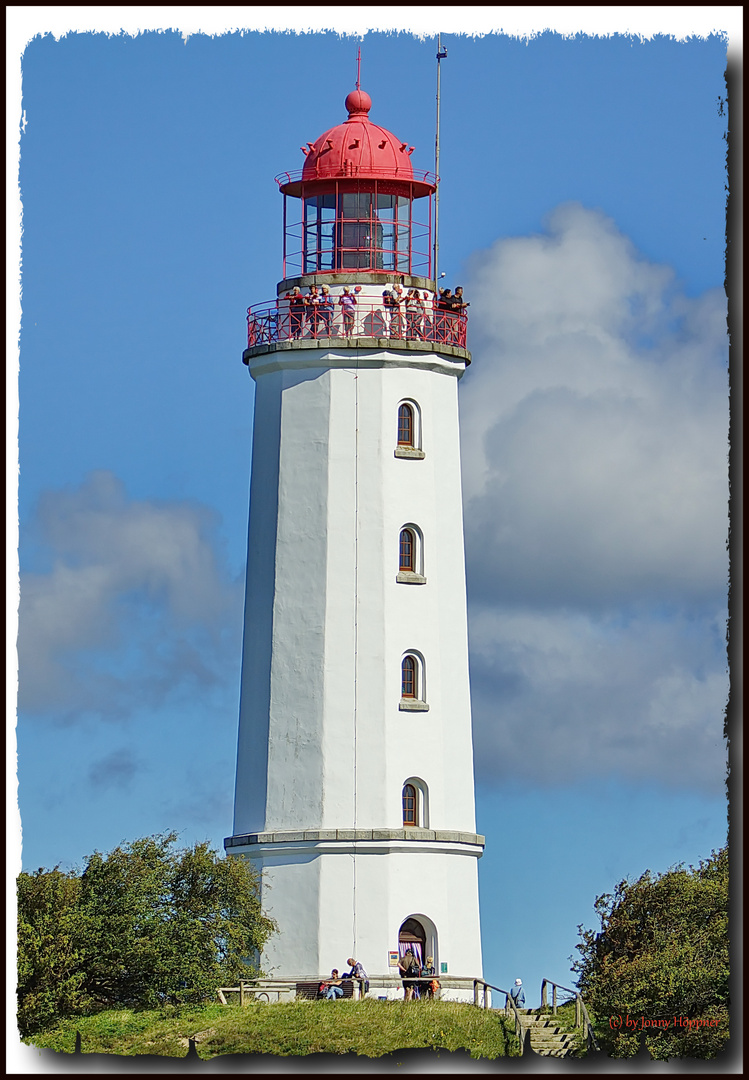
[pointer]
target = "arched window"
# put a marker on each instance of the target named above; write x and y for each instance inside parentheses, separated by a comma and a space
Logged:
(409, 677)
(415, 798)
(413, 683)
(407, 562)
(405, 425)
(410, 806)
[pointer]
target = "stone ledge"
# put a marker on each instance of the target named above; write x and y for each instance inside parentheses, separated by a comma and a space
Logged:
(348, 835)
(392, 344)
(409, 705)
(409, 452)
(407, 577)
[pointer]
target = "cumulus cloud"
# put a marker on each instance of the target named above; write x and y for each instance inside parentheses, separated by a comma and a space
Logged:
(134, 609)
(595, 449)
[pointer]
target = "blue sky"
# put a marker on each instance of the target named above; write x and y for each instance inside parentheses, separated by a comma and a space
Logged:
(583, 208)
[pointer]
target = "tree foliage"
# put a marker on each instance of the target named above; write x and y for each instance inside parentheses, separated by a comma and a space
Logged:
(659, 963)
(145, 925)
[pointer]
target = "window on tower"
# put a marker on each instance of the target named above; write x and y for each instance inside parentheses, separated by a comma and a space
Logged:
(410, 806)
(405, 425)
(415, 799)
(410, 556)
(409, 431)
(409, 673)
(412, 684)
(407, 551)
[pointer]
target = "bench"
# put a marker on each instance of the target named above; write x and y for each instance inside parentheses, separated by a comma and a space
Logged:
(308, 991)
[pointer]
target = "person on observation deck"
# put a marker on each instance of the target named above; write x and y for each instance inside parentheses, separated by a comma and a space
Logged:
(297, 305)
(414, 314)
(442, 320)
(348, 303)
(326, 310)
(389, 306)
(456, 307)
(314, 318)
(396, 318)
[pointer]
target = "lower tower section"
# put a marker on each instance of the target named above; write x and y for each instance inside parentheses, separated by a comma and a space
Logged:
(371, 898)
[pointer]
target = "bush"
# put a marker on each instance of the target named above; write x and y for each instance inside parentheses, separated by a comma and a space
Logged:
(142, 926)
(661, 960)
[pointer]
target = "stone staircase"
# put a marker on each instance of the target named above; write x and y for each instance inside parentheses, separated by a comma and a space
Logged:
(543, 1033)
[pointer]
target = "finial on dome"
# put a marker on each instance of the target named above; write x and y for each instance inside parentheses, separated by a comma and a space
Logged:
(358, 103)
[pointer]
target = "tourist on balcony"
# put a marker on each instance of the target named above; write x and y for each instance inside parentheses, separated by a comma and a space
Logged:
(428, 316)
(442, 316)
(297, 304)
(348, 303)
(458, 307)
(415, 314)
(314, 318)
(396, 318)
(326, 310)
(389, 305)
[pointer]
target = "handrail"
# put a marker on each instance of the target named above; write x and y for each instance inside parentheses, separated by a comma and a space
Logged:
(581, 1013)
(509, 1001)
(279, 320)
(331, 172)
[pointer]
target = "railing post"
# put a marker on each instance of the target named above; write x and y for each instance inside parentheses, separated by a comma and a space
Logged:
(544, 994)
(241, 992)
(487, 997)
(476, 993)
(554, 998)
(578, 1011)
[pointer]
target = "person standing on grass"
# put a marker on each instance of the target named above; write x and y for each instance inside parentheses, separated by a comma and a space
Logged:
(408, 966)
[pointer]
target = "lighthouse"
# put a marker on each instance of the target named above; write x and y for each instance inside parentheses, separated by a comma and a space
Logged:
(354, 786)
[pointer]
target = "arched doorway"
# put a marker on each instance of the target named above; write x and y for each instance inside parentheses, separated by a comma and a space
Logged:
(412, 936)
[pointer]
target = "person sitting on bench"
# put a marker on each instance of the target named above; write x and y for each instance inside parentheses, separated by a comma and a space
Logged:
(331, 988)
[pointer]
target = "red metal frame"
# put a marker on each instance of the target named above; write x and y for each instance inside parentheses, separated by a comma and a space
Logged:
(273, 321)
(330, 256)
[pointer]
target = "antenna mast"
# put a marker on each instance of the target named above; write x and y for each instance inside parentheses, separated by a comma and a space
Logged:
(358, 69)
(441, 54)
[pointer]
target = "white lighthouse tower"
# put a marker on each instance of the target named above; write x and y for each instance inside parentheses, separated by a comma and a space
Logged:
(354, 790)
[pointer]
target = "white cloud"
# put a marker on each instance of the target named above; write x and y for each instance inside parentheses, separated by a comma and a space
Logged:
(594, 424)
(133, 609)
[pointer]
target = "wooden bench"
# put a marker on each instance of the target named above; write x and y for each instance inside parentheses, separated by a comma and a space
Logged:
(308, 991)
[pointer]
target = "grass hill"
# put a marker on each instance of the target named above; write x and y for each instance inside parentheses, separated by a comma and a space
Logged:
(370, 1028)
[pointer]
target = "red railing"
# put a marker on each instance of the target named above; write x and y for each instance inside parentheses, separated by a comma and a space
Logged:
(325, 172)
(280, 321)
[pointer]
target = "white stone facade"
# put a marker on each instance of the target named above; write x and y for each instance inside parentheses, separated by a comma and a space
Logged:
(325, 741)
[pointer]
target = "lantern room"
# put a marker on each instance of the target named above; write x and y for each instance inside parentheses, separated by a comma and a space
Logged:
(358, 204)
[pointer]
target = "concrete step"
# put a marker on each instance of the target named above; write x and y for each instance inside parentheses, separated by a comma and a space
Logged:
(546, 1036)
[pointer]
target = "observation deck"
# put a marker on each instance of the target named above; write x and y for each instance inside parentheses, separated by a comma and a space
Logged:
(310, 322)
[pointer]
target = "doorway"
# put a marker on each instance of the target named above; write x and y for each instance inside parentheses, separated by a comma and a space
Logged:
(412, 935)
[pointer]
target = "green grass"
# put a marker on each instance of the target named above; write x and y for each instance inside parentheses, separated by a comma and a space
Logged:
(370, 1028)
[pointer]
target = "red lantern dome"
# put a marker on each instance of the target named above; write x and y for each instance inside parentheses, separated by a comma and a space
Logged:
(359, 149)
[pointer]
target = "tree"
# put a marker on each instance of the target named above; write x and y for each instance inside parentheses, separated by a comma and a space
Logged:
(659, 963)
(142, 926)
